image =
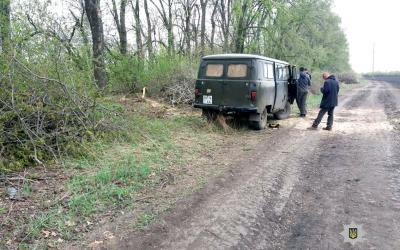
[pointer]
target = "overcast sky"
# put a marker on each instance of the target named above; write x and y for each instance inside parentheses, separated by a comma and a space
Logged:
(369, 22)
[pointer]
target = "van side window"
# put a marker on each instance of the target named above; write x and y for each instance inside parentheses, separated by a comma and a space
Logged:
(285, 73)
(268, 70)
(214, 70)
(237, 70)
(282, 72)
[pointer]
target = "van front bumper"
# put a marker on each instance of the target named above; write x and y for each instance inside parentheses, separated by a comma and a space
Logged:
(226, 109)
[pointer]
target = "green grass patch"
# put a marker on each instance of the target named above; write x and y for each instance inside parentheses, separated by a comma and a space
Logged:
(116, 166)
(26, 190)
(144, 220)
(3, 210)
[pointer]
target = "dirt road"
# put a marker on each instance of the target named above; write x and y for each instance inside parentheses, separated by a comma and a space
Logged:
(298, 189)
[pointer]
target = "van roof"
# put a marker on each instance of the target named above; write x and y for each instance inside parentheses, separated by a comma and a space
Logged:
(241, 56)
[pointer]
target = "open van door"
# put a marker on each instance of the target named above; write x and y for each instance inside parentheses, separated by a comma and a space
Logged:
(292, 85)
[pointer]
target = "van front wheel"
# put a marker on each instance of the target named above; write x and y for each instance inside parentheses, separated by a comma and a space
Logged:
(283, 114)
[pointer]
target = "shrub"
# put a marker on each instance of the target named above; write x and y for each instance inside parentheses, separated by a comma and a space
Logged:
(42, 118)
(157, 75)
(349, 77)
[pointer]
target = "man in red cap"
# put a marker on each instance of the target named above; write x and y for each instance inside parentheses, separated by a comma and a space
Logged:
(329, 101)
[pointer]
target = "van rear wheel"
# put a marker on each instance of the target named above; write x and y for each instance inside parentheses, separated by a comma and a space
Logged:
(258, 121)
(284, 114)
(210, 115)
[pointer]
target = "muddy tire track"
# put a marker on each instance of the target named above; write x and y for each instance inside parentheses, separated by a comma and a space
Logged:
(358, 99)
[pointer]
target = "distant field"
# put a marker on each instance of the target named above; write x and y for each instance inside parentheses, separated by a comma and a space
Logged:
(393, 77)
(314, 100)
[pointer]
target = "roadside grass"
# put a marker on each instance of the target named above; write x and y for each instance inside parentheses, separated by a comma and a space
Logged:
(107, 177)
(144, 220)
(109, 173)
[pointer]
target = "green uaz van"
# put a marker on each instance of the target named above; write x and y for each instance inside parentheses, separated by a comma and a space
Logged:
(245, 85)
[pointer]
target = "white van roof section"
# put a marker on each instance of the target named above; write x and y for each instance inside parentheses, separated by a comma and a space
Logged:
(242, 56)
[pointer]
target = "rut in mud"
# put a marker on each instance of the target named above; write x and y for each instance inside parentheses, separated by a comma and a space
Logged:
(299, 188)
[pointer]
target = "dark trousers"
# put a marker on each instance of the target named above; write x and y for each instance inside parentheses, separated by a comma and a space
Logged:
(301, 100)
(321, 114)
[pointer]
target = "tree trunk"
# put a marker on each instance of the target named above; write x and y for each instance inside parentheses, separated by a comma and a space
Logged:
(195, 28)
(225, 13)
(138, 30)
(122, 33)
(120, 23)
(188, 35)
(240, 33)
(93, 13)
(82, 29)
(203, 4)
(171, 43)
(213, 26)
(167, 20)
(5, 28)
(149, 40)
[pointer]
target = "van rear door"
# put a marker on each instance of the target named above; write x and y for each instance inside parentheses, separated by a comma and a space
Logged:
(211, 82)
(236, 86)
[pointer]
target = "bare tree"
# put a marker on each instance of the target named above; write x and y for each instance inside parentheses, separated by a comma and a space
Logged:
(247, 14)
(225, 11)
(195, 25)
(203, 4)
(138, 29)
(149, 39)
(213, 25)
(93, 13)
(120, 23)
(167, 19)
(64, 36)
(79, 21)
(187, 6)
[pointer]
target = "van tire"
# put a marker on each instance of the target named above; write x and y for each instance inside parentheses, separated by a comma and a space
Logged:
(283, 114)
(260, 122)
(210, 115)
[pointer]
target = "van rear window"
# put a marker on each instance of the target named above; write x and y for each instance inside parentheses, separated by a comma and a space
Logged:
(215, 70)
(237, 70)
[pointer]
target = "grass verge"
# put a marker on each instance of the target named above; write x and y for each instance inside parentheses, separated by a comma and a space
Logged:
(108, 178)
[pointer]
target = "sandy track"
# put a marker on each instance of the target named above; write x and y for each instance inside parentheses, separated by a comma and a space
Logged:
(298, 189)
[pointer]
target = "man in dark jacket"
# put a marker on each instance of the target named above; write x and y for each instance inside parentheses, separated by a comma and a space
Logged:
(303, 85)
(329, 101)
(308, 73)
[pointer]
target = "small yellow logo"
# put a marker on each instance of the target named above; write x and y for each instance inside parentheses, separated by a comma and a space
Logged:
(353, 233)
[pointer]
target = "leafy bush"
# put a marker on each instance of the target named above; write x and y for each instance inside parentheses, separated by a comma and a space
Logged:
(43, 118)
(132, 74)
(349, 77)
